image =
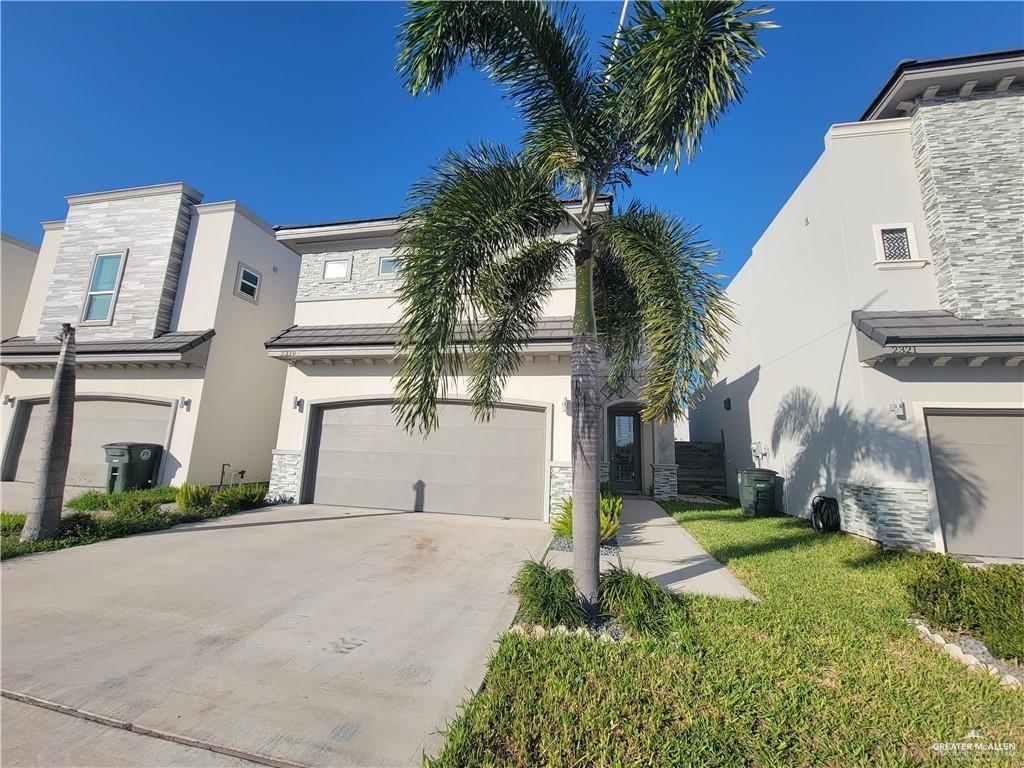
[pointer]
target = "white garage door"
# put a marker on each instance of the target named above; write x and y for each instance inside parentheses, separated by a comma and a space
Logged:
(494, 468)
(977, 457)
(97, 422)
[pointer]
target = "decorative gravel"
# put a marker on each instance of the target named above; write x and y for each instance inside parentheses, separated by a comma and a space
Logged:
(977, 649)
(564, 544)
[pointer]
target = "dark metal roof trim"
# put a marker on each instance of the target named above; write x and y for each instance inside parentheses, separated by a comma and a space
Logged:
(549, 329)
(377, 219)
(912, 65)
(935, 327)
(176, 342)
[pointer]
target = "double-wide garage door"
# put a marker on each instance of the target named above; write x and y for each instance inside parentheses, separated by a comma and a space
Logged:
(97, 422)
(493, 468)
(977, 457)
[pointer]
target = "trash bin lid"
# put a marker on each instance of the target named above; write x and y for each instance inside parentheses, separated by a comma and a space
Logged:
(756, 472)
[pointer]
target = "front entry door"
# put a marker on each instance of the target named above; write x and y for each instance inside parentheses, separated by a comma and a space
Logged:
(624, 453)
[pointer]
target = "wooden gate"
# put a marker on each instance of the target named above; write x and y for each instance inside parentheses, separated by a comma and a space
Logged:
(701, 468)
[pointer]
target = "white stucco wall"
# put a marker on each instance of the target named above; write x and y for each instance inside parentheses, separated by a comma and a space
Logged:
(17, 265)
(242, 395)
(53, 231)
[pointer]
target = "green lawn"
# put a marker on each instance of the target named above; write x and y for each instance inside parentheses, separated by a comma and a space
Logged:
(823, 671)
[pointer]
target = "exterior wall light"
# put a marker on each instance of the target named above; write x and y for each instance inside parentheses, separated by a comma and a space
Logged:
(898, 408)
(298, 403)
(567, 405)
(185, 402)
(8, 400)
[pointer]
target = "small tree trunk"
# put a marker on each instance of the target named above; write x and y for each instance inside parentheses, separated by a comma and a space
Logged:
(43, 520)
(586, 424)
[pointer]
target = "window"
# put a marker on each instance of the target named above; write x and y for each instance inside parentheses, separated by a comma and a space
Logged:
(338, 269)
(103, 285)
(247, 284)
(388, 266)
(896, 247)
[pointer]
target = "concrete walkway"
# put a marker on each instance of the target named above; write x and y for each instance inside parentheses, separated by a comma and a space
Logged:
(657, 546)
(295, 635)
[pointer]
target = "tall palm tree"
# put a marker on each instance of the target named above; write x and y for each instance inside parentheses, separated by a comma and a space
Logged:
(478, 255)
(43, 519)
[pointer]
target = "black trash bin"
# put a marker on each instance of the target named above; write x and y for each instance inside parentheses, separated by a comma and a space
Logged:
(131, 466)
(757, 491)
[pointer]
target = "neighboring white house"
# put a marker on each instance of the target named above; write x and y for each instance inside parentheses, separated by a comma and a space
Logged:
(338, 443)
(17, 263)
(172, 301)
(878, 352)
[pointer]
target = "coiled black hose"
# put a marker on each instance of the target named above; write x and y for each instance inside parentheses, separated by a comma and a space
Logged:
(824, 514)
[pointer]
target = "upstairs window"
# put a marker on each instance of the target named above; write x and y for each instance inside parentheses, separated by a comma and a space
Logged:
(895, 244)
(896, 247)
(103, 286)
(389, 266)
(247, 283)
(338, 270)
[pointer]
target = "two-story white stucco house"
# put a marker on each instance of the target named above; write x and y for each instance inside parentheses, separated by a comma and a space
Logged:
(338, 443)
(877, 358)
(172, 300)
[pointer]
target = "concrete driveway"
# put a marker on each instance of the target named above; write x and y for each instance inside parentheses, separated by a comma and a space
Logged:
(311, 636)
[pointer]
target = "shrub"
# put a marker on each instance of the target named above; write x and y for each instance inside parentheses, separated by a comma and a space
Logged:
(609, 511)
(547, 595)
(192, 497)
(90, 501)
(11, 524)
(94, 501)
(134, 517)
(636, 601)
(987, 602)
(79, 525)
(237, 498)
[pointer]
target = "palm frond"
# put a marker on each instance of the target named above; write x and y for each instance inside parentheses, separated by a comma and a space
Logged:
(476, 209)
(677, 68)
(536, 51)
(683, 311)
(619, 318)
(512, 295)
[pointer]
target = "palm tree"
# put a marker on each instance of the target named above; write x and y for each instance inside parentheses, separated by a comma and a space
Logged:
(478, 255)
(43, 519)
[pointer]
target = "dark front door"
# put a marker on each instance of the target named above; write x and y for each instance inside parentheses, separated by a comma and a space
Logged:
(624, 452)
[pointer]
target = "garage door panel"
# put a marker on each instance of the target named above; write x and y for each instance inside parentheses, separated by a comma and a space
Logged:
(493, 468)
(97, 422)
(976, 459)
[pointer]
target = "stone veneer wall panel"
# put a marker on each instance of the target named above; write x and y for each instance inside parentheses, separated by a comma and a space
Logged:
(560, 486)
(969, 153)
(153, 229)
(284, 476)
(666, 483)
(894, 516)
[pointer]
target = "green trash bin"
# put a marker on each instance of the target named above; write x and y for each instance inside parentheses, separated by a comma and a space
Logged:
(131, 466)
(757, 491)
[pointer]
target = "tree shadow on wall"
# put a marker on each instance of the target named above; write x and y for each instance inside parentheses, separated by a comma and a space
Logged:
(836, 445)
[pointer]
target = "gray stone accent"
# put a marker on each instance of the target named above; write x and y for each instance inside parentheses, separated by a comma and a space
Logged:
(284, 476)
(560, 486)
(153, 229)
(896, 517)
(604, 471)
(665, 482)
(969, 153)
(363, 281)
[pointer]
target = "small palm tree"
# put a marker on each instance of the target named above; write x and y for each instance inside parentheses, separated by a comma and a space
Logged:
(478, 255)
(43, 519)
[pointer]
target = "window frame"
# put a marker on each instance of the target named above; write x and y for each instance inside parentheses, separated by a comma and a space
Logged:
(332, 259)
(914, 262)
(242, 266)
(388, 275)
(122, 254)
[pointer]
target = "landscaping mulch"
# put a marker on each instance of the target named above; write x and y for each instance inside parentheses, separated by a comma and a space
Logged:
(609, 548)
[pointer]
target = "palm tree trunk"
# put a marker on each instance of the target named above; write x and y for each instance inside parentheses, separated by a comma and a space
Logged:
(43, 520)
(586, 424)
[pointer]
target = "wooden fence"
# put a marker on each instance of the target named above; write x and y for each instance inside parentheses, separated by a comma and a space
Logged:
(700, 468)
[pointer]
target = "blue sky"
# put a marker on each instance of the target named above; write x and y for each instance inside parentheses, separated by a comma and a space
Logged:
(295, 109)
